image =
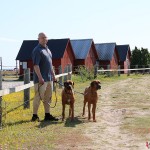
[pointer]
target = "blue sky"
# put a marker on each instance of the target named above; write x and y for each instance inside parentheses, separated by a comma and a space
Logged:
(120, 21)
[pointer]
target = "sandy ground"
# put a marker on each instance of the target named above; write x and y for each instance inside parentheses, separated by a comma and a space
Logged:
(117, 100)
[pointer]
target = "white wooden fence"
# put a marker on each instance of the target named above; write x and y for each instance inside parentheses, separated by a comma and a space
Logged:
(26, 86)
(128, 70)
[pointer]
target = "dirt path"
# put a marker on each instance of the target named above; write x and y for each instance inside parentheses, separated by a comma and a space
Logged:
(117, 100)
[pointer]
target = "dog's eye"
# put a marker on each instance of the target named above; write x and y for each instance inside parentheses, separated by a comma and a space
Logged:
(65, 84)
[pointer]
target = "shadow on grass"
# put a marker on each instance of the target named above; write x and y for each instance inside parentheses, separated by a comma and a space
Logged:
(41, 124)
(44, 124)
(70, 123)
(16, 123)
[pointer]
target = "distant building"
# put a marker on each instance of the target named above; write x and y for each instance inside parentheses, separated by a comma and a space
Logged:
(107, 55)
(85, 52)
(124, 56)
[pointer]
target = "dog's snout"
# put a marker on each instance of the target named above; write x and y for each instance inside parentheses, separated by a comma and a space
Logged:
(98, 86)
(69, 86)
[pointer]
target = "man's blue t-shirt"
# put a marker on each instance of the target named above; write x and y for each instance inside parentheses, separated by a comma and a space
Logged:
(42, 57)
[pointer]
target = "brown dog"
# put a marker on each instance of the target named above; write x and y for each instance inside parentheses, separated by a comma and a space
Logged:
(68, 98)
(91, 96)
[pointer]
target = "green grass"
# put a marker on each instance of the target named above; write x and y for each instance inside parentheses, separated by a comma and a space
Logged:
(19, 132)
(104, 78)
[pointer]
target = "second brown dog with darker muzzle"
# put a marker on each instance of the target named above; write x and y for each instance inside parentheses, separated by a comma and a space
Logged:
(68, 99)
(91, 97)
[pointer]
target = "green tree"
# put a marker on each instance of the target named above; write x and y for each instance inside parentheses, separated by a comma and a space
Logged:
(144, 56)
(136, 57)
(140, 57)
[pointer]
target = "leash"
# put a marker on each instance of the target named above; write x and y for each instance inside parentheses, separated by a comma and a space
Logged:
(63, 86)
(39, 85)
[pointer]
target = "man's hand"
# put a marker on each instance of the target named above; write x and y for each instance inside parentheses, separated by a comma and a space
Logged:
(38, 72)
(41, 81)
(54, 79)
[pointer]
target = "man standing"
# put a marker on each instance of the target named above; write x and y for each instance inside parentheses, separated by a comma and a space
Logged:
(43, 77)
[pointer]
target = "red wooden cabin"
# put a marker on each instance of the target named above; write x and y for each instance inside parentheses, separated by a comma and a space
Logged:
(124, 57)
(108, 55)
(85, 52)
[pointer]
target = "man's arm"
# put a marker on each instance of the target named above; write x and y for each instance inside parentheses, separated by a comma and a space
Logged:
(38, 72)
(53, 74)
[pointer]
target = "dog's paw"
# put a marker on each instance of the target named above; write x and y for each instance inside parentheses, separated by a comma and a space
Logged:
(83, 115)
(89, 120)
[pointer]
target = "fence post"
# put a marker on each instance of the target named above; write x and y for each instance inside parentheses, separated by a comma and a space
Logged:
(27, 91)
(1, 62)
(1, 100)
(136, 67)
(108, 72)
(60, 78)
(118, 70)
(95, 70)
(66, 71)
(143, 69)
(128, 70)
(69, 70)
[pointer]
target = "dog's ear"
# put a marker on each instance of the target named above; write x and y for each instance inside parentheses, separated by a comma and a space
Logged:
(65, 83)
(92, 83)
(72, 84)
(98, 82)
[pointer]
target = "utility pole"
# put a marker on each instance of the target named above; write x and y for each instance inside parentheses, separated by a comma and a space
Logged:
(1, 62)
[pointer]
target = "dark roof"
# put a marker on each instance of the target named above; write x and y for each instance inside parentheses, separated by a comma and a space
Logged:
(26, 49)
(57, 47)
(81, 47)
(105, 50)
(123, 51)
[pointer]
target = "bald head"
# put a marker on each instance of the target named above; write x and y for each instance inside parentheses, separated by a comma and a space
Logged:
(42, 34)
(42, 39)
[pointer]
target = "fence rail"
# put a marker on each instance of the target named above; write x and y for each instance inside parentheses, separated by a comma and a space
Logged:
(26, 86)
(122, 69)
(118, 69)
